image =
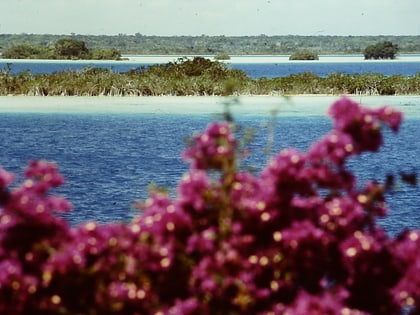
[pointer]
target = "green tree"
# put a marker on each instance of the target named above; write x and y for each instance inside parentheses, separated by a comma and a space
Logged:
(25, 51)
(70, 48)
(381, 50)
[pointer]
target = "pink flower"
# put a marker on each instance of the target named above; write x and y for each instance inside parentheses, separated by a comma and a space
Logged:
(214, 149)
(6, 178)
(300, 238)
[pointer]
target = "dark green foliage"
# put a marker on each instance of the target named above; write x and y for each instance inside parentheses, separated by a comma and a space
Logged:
(382, 50)
(71, 48)
(191, 67)
(304, 55)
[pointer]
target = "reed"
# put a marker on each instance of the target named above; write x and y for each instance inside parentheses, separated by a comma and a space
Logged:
(199, 77)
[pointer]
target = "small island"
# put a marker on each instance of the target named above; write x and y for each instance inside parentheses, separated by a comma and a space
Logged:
(381, 50)
(198, 76)
(63, 49)
(304, 55)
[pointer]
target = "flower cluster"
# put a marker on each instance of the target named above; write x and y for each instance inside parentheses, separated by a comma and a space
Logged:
(299, 238)
(213, 149)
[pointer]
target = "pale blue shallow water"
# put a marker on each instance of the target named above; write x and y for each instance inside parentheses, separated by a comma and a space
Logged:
(109, 159)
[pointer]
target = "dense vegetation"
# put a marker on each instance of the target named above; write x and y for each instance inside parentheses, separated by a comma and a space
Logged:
(211, 45)
(382, 50)
(299, 238)
(304, 55)
(199, 76)
(64, 48)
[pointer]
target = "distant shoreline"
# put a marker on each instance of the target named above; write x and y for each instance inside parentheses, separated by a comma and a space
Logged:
(141, 44)
(234, 59)
(270, 58)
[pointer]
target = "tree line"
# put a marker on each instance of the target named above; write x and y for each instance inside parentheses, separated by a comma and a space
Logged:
(205, 45)
(199, 76)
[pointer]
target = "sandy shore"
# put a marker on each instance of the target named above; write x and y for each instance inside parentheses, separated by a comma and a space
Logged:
(199, 105)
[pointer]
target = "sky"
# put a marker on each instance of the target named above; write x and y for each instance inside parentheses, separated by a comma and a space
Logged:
(211, 17)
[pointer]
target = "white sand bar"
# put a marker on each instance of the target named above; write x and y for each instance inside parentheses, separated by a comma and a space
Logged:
(235, 59)
(198, 105)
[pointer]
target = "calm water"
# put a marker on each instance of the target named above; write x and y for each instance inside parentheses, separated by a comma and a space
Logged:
(270, 69)
(109, 159)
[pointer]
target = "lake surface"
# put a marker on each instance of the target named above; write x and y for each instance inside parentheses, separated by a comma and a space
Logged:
(112, 152)
(323, 69)
(255, 67)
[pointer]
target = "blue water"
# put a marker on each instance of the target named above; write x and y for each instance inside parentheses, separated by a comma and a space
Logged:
(254, 70)
(323, 69)
(110, 159)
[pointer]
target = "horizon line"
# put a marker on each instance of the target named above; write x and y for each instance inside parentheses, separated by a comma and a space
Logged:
(205, 35)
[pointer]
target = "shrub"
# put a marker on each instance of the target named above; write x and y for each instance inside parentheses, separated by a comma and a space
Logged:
(304, 55)
(300, 238)
(26, 51)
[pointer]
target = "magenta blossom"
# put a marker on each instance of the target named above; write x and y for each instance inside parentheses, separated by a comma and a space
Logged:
(299, 238)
